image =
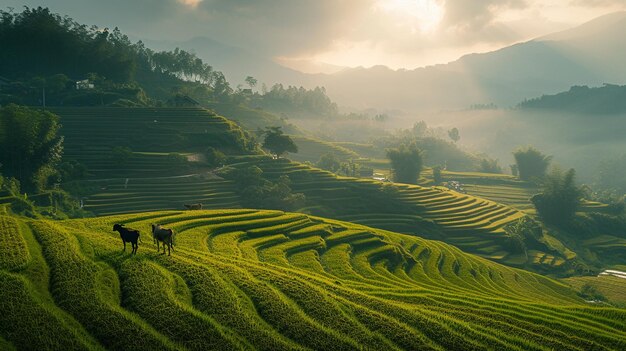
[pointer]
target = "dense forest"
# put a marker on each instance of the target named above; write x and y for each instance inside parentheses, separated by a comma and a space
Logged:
(45, 54)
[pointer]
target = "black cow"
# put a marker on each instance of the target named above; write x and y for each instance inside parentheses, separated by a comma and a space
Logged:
(128, 235)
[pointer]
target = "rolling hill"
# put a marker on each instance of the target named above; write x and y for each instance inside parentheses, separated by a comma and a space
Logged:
(479, 222)
(152, 134)
(247, 279)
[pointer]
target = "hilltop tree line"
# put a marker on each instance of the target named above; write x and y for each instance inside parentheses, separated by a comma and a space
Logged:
(37, 42)
(42, 50)
(608, 99)
(292, 98)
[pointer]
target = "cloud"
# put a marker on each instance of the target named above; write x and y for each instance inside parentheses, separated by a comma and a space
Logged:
(598, 3)
(477, 20)
(284, 27)
(190, 3)
(311, 28)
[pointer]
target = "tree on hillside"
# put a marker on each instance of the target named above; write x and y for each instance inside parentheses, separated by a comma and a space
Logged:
(277, 142)
(489, 165)
(251, 81)
(531, 163)
(560, 197)
(214, 157)
(329, 162)
(406, 163)
(31, 147)
(454, 134)
(437, 176)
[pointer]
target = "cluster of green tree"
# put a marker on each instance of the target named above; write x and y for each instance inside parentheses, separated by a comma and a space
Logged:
(44, 54)
(436, 149)
(277, 142)
(532, 165)
(560, 197)
(30, 162)
(294, 99)
(609, 99)
(348, 168)
(30, 144)
(38, 42)
(489, 165)
(257, 192)
(406, 163)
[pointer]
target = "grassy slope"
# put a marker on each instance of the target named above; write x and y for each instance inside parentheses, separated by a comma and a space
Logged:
(151, 133)
(613, 288)
(245, 279)
(471, 223)
(311, 150)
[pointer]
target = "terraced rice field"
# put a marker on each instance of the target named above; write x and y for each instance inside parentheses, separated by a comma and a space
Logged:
(152, 133)
(613, 288)
(517, 196)
(245, 279)
(311, 150)
(473, 224)
(607, 245)
(117, 196)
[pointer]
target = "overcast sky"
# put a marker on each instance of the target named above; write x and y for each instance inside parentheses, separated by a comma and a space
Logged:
(396, 33)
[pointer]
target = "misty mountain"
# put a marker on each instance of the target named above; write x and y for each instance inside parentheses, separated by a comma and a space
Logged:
(590, 54)
(609, 99)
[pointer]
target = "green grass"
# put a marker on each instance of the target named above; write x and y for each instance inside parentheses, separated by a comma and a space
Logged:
(312, 149)
(150, 181)
(245, 279)
(152, 133)
(13, 250)
(432, 212)
(613, 288)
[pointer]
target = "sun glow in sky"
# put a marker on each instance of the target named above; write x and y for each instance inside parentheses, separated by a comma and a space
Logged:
(324, 34)
(190, 3)
(422, 15)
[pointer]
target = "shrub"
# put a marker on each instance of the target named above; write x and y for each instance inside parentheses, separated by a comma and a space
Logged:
(214, 157)
(559, 199)
(437, 177)
(488, 165)
(72, 170)
(531, 163)
(277, 142)
(406, 163)
(329, 162)
(591, 293)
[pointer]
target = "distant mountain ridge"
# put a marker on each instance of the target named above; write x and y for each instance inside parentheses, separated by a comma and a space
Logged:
(591, 54)
(609, 99)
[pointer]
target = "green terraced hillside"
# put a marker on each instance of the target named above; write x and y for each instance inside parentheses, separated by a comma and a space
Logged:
(116, 196)
(312, 149)
(473, 224)
(246, 279)
(613, 288)
(151, 133)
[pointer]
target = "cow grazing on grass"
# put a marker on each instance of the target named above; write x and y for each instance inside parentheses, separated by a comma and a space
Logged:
(164, 235)
(193, 206)
(128, 235)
